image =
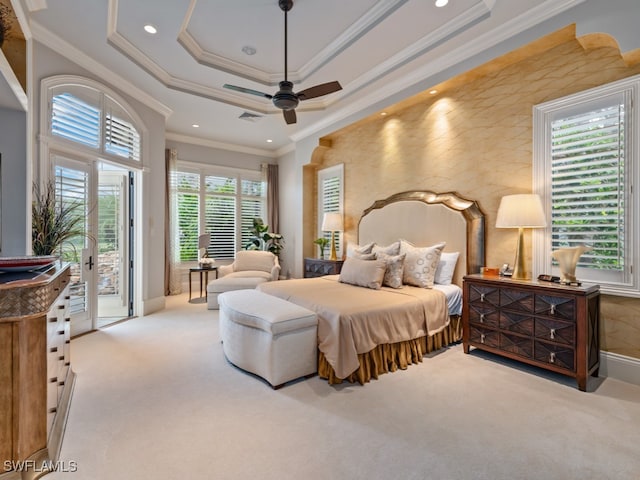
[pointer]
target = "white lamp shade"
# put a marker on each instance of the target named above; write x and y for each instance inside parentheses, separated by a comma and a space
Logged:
(203, 240)
(521, 211)
(332, 222)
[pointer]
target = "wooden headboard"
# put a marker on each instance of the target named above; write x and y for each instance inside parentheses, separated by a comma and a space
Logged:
(425, 218)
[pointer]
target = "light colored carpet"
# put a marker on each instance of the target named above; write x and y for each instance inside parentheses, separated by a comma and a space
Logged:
(156, 399)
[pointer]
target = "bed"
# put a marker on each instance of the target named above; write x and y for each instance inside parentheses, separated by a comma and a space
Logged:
(364, 332)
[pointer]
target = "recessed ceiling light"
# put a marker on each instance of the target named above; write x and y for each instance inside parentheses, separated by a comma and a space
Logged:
(441, 3)
(195, 125)
(249, 50)
(269, 141)
(382, 114)
(150, 29)
(433, 92)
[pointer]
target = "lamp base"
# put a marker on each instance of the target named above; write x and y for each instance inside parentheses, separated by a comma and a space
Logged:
(520, 268)
(333, 255)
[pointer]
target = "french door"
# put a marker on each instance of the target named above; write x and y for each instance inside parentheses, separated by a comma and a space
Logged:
(75, 189)
(100, 255)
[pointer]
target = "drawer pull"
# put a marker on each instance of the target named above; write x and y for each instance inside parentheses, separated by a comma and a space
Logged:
(552, 357)
(53, 349)
(482, 338)
(552, 333)
(53, 380)
(482, 318)
(482, 297)
(553, 309)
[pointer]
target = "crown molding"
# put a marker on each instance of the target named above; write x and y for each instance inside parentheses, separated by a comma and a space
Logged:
(67, 50)
(203, 142)
(528, 19)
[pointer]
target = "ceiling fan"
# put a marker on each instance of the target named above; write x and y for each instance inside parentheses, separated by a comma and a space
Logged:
(285, 98)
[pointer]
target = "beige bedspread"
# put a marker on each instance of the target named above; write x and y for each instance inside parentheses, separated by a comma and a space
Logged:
(353, 320)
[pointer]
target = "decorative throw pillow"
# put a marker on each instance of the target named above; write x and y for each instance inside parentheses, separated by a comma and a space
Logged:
(446, 267)
(361, 249)
(393, 249)
(364, 256)
(420, 263)
(394, 269)
(363, 273)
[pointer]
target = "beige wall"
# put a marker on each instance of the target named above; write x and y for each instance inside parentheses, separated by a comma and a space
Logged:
(475, 138)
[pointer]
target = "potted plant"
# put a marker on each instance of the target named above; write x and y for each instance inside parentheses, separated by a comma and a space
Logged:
(53, 223)
(262, 239)
(322, 243)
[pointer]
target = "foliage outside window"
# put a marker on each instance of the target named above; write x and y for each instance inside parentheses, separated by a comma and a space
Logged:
(585, 146)
(222, 203)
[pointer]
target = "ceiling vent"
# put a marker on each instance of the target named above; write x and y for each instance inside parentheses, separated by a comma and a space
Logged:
(250, 117)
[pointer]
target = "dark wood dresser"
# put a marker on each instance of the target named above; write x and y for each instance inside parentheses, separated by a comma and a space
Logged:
(548, 325)
(35, 369)
(318, 267)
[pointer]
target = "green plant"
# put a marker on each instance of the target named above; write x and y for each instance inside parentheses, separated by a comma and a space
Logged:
(261, 239)
(322, 243)
(54, 223)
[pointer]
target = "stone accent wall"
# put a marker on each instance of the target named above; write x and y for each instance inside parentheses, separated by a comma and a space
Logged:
(475, 138)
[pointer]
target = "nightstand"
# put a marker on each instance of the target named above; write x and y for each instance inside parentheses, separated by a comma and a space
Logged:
(552, 326)
(318, 267)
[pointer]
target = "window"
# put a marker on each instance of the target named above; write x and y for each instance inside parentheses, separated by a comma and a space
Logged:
(219, 201)
(330, 199)
(87, 116)
(585, 165)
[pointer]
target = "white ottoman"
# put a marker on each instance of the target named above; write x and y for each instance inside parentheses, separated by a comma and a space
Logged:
(268, 336)
(228, 284)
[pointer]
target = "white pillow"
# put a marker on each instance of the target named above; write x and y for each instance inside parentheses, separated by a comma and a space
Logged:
(392, 249)
(446, 267)
(352, 249)
(363, 273)
(420, 263)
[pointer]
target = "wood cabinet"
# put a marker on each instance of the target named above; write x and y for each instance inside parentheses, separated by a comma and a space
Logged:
(548, 325)
(35, 368)
(318, 267)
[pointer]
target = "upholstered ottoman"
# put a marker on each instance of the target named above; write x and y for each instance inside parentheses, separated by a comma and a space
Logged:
(268, 336)
(228, 284)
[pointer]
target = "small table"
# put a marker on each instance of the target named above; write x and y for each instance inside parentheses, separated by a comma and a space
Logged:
(202, 270)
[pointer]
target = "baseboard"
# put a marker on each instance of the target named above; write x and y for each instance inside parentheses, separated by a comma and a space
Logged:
(620, 367)
(153, 305)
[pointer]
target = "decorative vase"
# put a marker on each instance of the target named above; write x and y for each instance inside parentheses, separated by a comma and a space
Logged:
(567, 259)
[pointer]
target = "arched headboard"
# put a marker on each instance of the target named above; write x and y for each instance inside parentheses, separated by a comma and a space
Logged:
(425, 218)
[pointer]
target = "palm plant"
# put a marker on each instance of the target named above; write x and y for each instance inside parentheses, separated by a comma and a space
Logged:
(52, 222)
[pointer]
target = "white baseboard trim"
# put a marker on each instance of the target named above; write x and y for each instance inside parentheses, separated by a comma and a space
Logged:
(153, 305)
(620, 367)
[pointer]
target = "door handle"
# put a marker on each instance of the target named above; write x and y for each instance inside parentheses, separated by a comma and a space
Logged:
(90, 262)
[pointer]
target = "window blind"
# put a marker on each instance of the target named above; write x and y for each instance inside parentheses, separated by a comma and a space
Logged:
(75, 120)
(588, 183)
(121, 138)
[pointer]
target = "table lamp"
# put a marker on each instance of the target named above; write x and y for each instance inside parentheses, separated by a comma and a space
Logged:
(520, 211)
(332, 222)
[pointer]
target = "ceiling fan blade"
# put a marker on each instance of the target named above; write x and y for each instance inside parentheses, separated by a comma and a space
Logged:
(319, 90)
(289, 116)
(247, 90)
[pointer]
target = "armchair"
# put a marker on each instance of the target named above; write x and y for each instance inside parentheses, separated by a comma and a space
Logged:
(248, 270)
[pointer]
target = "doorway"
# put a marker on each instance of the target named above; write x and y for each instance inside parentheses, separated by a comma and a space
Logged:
(101, 259)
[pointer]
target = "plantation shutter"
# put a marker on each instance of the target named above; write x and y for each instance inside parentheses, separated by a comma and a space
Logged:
(588, 150)
(220, 215)
(330, 187)
(121, 137)
(251, 206)
(187, 186)
(75, 119)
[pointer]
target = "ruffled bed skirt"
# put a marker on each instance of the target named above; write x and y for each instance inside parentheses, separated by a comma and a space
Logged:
(393, 356)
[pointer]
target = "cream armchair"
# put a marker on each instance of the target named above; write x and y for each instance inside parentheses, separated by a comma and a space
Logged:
(248, 270)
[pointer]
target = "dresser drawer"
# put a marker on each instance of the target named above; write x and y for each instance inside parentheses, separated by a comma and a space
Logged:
(517, 300)
(484, 336)
(516, 322)
(555, 331)
(516, 344)
(484, 314)
(552, 354)
(555, 306)
(483, 295)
